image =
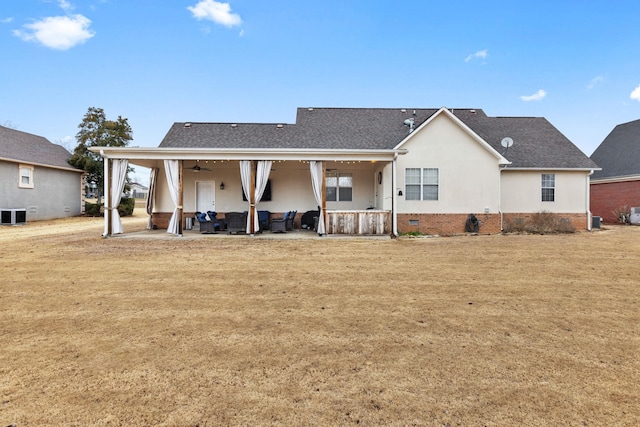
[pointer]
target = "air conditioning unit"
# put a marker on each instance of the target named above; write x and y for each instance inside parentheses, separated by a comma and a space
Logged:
(13, 216)
(634, 218)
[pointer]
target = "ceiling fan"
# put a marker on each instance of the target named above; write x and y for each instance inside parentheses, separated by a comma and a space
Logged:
(197, 168)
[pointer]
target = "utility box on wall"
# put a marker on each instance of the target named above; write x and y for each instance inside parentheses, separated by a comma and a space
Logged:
(13, 216)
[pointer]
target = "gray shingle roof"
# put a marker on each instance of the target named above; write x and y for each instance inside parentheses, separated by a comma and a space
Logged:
(29, 148)
(537, 144)
(619, 153)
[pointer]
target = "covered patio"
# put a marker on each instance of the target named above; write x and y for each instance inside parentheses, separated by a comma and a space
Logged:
(353, 190)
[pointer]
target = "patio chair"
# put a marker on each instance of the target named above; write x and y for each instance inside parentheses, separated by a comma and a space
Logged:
(236, 222)
(263, 219)
(289, 224)
(217, 223)
(279, 225)
(206, 226)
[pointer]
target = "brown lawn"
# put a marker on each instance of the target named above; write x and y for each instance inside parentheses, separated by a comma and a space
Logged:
(510, 330)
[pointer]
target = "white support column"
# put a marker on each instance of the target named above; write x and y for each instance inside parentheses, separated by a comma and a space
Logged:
(105, 189)
(394, 197)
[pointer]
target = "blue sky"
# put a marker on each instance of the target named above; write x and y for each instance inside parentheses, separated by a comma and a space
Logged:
(577, 63)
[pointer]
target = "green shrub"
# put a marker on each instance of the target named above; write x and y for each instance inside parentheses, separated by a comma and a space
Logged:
(126, 206)
(540, 223)
(92, 209)
(124, 209)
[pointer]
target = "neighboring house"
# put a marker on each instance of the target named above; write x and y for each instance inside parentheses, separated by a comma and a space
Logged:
(137, 191)
(618, 183)
(35, 176)
(371, 170)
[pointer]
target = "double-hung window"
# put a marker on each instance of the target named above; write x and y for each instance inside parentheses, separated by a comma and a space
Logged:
(25, 176)
(548, 187)
(339, 187)
(421, 183)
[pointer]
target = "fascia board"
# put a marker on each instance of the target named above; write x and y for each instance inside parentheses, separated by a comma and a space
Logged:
(42, 165)
(516, 169)
(243, 154)
(616, 179)
(501, 159)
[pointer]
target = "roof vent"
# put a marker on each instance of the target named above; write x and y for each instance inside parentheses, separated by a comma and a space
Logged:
(310, 109)
(403, 110)
(234, 125)
(187, 125)
(279, 126)
(472, 111)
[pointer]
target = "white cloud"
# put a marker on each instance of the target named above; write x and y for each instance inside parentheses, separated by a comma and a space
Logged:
(6, 20)
(65, 5)
(535, 97)
(594, 81)
(481, 54)
(57, 32)
(220, 13)
(636, 94)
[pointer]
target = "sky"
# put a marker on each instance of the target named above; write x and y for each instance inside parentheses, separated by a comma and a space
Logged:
(574, 62)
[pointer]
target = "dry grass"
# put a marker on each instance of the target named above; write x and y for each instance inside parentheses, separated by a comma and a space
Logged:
(463, 331)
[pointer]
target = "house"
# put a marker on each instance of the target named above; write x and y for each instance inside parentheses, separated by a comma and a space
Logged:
(369, 170)
(137, 190)
(35, 177)
(617, 185)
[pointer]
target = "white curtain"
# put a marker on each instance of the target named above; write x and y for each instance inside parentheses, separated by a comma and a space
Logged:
(118, 177)
(172, 170)
(316, 183)
(151, 196)
(245, 177)
(262, 176)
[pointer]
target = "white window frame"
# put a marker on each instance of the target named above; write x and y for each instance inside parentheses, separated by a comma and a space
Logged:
(425, 182)
(548, 187)
(28, 175)
(339, 184)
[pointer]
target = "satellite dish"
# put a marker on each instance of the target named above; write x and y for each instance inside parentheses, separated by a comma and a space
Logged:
(506, 142)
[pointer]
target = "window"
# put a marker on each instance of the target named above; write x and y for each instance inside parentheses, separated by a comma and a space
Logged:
(421, 184)
(548, 187)
(25, 178)
(339, 187)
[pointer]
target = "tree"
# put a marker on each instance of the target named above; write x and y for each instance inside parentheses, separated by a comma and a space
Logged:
(97, 131)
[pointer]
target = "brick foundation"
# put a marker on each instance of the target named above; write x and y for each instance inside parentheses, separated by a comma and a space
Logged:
(430, 224)
(452, 224)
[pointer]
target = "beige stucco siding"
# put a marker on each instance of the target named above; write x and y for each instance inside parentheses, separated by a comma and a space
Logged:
(469, 177)
(570, 192)
(290, 187)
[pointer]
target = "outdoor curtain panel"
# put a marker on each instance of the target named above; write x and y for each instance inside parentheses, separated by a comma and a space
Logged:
(316, 182)
(245, 177)
(118, 177)
(172, 170)
(262, 176)
(151, 196)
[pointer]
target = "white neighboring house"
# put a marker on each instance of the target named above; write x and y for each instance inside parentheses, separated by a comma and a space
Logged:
(35, 176)
(370, 170)
(137, 191)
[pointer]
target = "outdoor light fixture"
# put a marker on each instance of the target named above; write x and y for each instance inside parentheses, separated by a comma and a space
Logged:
(222, 185)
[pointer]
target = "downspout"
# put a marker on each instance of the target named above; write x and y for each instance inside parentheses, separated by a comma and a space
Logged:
(588, 200)
(394, 214)
(500, 198)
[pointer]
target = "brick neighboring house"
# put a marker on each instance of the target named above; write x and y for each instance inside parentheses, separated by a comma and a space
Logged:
(618, 183)
(35, 175)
